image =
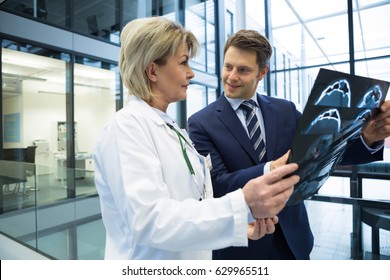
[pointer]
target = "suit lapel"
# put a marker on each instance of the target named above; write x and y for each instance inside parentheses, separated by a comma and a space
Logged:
(228, 117)
(269, 118)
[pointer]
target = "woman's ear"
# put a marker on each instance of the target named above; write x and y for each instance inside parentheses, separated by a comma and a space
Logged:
(151, 71)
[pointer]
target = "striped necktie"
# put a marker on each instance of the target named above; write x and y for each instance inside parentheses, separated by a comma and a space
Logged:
(253, 126)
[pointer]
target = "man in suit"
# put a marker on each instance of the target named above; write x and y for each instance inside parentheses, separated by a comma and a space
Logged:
(220, 130)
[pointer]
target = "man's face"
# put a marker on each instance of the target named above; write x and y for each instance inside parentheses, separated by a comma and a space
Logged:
(240, 73)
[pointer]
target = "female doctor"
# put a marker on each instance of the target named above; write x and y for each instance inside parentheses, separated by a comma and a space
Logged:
(154, 188)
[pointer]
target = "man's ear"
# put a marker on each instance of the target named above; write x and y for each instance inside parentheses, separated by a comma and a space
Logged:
(151, 71)
(263, 73)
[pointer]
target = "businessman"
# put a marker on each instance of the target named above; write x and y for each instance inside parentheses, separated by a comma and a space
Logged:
(225, 130)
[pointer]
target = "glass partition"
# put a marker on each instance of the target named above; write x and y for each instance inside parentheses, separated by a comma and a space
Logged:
(371, 27)
(306, 34)
(100, 18)
(198, 97)
(54, 12)
(96, 93)
(33, 97)
(199, 18)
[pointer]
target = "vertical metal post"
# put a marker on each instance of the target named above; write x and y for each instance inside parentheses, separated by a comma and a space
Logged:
(268, 34)
(356, 192)
(1, 127)
(70, 129)
(219, 10)
(351, 38)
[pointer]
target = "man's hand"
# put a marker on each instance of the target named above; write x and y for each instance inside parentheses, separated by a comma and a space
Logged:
(261, 227)
(280, 161)
(267, 195)
(378, 128)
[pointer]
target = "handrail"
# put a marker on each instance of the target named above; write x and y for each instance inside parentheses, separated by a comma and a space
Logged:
(356, 175)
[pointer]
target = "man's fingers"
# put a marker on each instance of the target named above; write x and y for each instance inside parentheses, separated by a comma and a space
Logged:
(267, 195)
(262, 227)
(280, 172)
(270, 226)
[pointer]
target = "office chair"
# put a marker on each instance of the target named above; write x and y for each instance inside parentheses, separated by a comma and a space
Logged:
(29, 157)
(19, 176)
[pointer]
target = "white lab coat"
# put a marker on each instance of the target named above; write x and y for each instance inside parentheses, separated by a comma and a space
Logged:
(149, 200)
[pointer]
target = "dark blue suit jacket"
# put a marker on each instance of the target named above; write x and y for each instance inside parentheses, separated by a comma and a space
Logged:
(216, 130)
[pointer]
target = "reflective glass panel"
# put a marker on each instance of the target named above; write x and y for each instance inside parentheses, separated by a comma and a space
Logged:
(34, 88)
(98, 18)
(196, 98)
(54, 12)
(308, 33)
(96, 91)
(371, 28)
(199, 18)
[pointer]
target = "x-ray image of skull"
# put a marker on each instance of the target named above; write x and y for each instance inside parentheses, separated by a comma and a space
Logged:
(337, 94)
(371, 99)
(326, 123)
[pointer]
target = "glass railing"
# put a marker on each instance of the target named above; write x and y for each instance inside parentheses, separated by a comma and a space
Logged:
(37, 211)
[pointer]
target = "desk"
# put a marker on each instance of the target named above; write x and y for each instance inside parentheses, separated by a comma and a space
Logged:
(62, 166)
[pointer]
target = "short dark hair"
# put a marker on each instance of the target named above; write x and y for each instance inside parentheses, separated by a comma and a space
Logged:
(253, 41)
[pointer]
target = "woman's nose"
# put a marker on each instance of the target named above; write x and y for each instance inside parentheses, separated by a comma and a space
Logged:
(190, 73)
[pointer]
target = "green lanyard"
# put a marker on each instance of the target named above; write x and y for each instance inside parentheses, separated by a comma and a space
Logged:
(183, 149)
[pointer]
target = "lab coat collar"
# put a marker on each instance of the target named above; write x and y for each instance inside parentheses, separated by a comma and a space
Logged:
(141, 108)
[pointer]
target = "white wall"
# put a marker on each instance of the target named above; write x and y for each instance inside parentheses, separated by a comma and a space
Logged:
(42, 105)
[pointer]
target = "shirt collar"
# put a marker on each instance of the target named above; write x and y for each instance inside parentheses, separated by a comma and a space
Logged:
(166, 118)
(236, 102)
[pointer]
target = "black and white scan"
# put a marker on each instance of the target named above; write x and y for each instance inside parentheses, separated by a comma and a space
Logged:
(338, 107)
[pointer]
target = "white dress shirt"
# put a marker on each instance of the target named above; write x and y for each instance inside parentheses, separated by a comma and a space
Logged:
(235, 103)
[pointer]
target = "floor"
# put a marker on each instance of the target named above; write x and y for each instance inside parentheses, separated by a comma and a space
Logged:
(43, 190)
(11, 249)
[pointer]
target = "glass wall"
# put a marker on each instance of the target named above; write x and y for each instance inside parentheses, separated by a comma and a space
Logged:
(304, 34)
(199, 18)
(372, 43)
(307, 36)
(97, 18)
(198, 97)
(95, 96)
(37, 98)
(33, 95)
(100, 18)
(371, 36)
(53, 12)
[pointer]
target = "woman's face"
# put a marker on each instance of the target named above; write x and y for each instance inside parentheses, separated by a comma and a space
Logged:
(171, 80)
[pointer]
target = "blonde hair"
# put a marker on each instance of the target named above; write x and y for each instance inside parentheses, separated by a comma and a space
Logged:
(147, 40)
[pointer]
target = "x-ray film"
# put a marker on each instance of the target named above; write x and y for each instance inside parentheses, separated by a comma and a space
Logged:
(338, 107)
